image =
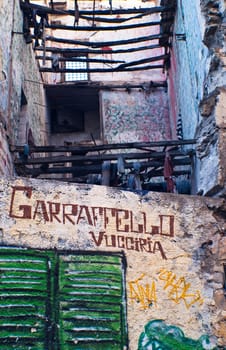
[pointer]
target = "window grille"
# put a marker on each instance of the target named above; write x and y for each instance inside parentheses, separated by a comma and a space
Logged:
(76, 65)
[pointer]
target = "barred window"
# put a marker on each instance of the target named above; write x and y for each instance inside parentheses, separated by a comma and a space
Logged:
(76, 65)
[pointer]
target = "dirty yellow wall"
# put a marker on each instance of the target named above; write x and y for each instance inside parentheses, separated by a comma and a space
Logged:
(174, 249)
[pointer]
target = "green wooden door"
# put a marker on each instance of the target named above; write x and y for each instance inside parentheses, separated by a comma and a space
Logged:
(24, 300)
(91, 302)
(56, 301)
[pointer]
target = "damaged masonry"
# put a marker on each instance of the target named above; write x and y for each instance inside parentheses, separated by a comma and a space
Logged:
(112, 188)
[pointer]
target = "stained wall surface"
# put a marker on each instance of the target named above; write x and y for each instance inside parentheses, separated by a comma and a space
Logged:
(129, 270)
(22, 102)
(197, 87)
(135, 116)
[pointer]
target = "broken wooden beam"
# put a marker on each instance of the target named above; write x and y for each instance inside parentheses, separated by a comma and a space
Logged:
(144, 60)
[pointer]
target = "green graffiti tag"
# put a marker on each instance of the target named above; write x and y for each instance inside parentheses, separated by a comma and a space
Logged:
(159, 336)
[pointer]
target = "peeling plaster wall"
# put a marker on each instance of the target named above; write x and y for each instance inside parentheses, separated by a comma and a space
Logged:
(196, 87)
(18, 72)
(135, 116)
(174, 248)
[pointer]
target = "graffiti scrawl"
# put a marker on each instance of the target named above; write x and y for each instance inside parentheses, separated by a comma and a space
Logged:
(159, 336)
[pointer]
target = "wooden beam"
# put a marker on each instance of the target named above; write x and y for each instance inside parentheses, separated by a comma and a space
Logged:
(101, 157)
(116, 19)
(99, 70)
(79, 59)
(82, 170)
(107, 28)
(145, 60)
(48, 10)
(102, 51)
(111, 86)
(105, 147)
(118, 68)
(94, 44)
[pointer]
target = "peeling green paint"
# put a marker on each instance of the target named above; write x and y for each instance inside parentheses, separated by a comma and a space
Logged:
(51, 300)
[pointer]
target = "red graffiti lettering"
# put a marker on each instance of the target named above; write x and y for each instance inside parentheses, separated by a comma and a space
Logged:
(54, 210)
(26, 209)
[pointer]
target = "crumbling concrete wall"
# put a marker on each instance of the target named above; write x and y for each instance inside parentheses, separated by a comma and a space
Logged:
(173, 248)
(22, 104)
(197, 85)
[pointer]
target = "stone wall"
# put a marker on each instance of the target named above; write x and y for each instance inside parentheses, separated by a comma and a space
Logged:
(5, 40)
(169, 252)
(211, 133)
(22, 104)
(197, 85)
